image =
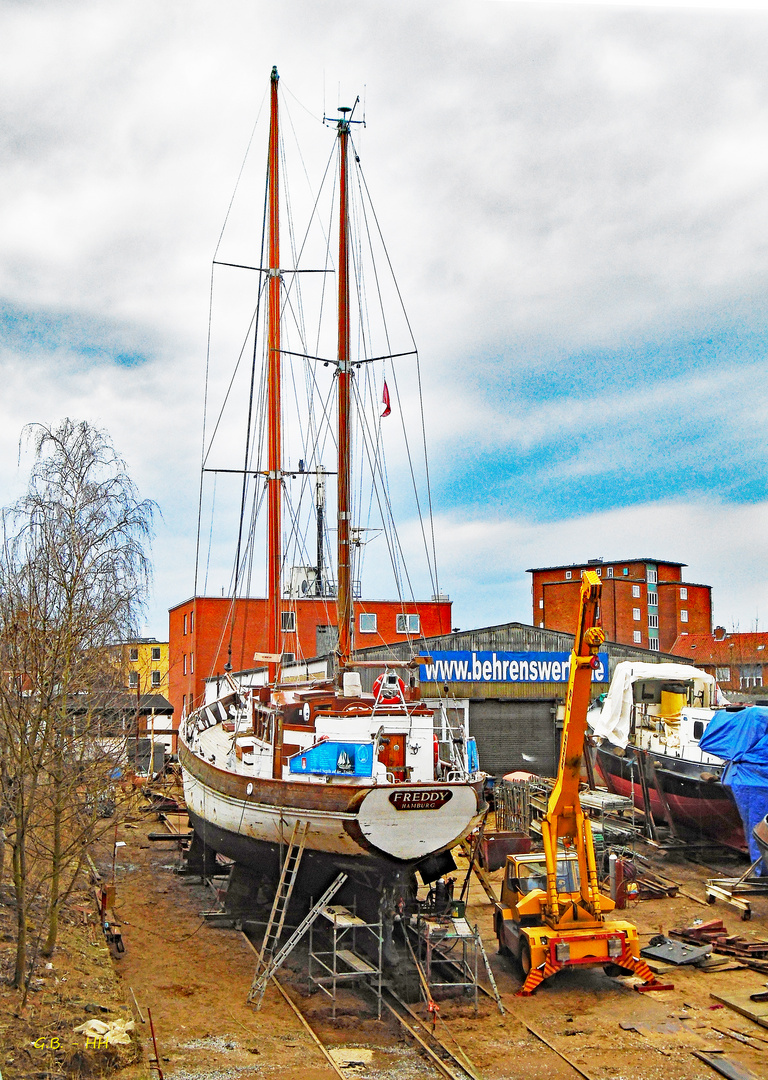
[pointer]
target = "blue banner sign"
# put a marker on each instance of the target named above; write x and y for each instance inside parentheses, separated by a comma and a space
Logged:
(505, 667)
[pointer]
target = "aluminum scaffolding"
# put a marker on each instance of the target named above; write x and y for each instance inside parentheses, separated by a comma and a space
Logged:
(342, 963)
(449, 942)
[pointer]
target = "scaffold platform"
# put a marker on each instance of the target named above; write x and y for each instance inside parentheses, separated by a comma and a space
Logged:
(338, 929)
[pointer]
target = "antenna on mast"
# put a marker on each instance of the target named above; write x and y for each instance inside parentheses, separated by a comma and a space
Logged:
(344, 109)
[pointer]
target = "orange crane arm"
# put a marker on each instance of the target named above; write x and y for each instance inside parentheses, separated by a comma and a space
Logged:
(564, 819)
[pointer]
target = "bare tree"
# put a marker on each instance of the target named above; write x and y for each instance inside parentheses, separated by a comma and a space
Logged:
(74, 576)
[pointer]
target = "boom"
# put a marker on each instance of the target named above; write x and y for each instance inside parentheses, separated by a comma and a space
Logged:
(528, 913)
(564, 819)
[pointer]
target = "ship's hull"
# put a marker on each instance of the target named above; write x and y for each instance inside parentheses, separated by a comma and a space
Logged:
(696, 800)
(247, 818)
(760, 833)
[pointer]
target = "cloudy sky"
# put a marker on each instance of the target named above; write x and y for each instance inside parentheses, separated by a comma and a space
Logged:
(575, 199)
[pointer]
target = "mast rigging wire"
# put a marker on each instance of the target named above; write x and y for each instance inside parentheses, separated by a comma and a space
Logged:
(363, 181)
(314, 418)
(208, 344)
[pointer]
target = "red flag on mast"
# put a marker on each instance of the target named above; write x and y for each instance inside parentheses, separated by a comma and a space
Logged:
(385, 400)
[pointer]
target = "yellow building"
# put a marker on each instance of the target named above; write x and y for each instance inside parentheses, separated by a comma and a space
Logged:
(145, 666)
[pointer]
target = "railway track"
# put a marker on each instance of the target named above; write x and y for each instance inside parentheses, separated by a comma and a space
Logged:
(446, 1062)
(428, 1047)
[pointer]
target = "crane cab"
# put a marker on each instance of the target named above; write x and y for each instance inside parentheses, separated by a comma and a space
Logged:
(523, 895)
(576, 941)
(525, 875)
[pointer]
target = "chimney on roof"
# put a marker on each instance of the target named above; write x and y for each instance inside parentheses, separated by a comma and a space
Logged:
(720, 634)
(594, 562)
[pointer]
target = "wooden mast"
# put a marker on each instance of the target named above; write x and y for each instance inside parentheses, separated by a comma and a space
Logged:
(274, 456)
(344, 595)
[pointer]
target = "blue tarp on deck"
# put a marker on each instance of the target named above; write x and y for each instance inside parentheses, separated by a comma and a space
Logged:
(741, 738)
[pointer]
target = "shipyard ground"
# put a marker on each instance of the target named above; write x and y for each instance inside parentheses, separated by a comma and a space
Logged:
(195, 979)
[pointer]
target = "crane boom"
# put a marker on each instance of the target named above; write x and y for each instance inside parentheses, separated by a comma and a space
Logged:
(564, 819)
(551, 913)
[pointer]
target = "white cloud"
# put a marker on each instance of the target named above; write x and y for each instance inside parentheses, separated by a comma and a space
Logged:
(549, 180)
(484, 559)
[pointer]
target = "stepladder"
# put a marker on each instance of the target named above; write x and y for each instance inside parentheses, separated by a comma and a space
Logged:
(288, 874)
(265, 973)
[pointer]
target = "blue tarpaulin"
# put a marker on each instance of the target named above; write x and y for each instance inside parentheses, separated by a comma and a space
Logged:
(740, 737)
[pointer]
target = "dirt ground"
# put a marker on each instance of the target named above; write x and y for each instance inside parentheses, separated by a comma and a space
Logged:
(195, 978)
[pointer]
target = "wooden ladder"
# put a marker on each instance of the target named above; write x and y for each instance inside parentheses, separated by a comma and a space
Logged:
(288, 876)
(275, 962)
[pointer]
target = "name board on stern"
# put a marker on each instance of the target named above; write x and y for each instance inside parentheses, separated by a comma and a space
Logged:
(420, 800)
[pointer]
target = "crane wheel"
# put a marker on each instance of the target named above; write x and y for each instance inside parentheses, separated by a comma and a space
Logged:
(524, 957)
(613, 971)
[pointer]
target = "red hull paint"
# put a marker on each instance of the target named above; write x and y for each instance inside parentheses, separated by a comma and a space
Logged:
(716, 818)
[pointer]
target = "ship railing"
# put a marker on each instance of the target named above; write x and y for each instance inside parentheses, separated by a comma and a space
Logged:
(208, 716)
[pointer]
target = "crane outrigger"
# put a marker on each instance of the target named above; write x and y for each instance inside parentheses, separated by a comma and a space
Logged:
(552, 913)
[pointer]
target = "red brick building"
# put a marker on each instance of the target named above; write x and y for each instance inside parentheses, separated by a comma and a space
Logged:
(199, 632)
(738, 661)
(645, 602)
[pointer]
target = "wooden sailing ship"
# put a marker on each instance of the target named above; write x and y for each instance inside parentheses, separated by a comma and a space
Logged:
(363, 773)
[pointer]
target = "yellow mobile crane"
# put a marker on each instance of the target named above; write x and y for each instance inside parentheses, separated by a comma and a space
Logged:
(551, 912)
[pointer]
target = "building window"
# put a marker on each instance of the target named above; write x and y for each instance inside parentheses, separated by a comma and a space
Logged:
(637, 637)
(683, 615)
(541, 602)
(599, 571)
(184, 664)
(541, 626)
(683, 594)
(723, 674)
(287, 658)
(155, 678)
(133, 679)
(653, 644)
(652, 576)
(653, 622)
(185, 624)
(367, 622)
(568, 575)
(653, 599)
(750, 675)
(133, 655)
(155, 652)
(407, 624)
(192, 663)
(191, 621)
(610, 571)
(636, 591)
(625, 571)
(636, 614)
(288, 622)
